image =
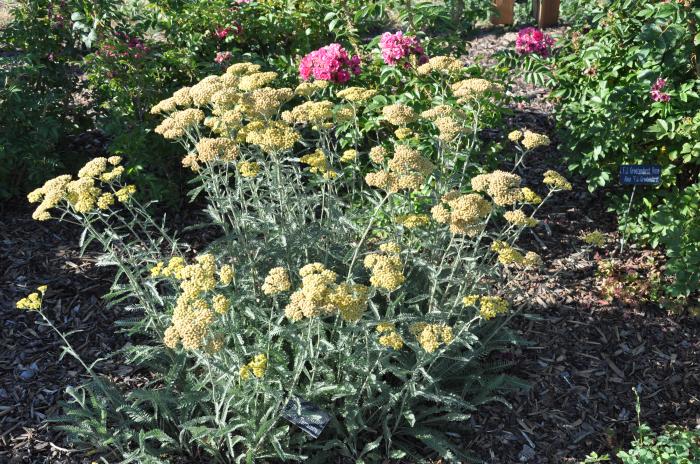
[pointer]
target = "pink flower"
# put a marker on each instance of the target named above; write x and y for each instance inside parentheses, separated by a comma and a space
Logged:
(656, 91)
(222, 57)
(222, 32)
(533, 40)
(396, 47)
(329, 63)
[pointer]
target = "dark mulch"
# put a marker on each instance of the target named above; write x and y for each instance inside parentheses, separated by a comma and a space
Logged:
(585, 356)
(32, 377)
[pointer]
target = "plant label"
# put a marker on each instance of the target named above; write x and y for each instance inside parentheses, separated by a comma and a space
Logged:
(640, 174)
(306, 415)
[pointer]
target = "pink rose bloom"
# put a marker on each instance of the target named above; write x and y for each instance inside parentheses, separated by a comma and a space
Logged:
(222, 57)
(396, 47)
(656, 91)
(222, 32)
(329, 63)
(532, 40)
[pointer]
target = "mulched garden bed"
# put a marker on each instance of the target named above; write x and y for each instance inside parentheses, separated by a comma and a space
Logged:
(584, 358)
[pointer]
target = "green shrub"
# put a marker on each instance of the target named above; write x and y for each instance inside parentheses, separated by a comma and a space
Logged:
(38, 107)
(604, 80)
(674, 445)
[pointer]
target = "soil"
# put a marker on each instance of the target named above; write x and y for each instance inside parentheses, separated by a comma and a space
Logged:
(584, 354)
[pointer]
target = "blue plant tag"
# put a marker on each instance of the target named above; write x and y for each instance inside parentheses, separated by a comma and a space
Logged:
(640, 174)
(306, 415)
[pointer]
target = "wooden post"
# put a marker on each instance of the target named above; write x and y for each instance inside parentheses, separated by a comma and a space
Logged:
(546, 12)
(503, 12)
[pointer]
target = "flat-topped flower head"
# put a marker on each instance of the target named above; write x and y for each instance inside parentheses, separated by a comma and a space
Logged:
(431, 336)
(356, 94)
(503, 187)
(399, 114)
(556, 181)
(441, 64)
(277, 281)
(532, 140)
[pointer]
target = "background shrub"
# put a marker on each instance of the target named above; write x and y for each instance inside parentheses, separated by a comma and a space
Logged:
(604, 78)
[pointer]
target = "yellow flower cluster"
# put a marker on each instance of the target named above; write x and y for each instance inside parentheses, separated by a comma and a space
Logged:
(519, 218)
(256, 367)
(265, 102)
(191, 320)
(386, 267)
(32, 302)
(319, 164)
(241, 69)
(320, 295)
(193, 315)
(356, 94)
(348, 156)
(220, 304)
(93, 168)
(225, 121)
(202, 92)
(529, 196)
(403, 133)
(595, 238)
(492, 306)
(378, 154)
(431, 336)
(310, 112)
(503, 187)
(442, 111)
(165, 106)
(82, 194)
(465, 214)
(343, 114)
(407, 169)
(515, 136)
(443, 64)
(306, 89)
(249, 168)
(532, 259)
(105, 200)
(450, 128)
(507, 255)
(218, 149)
(399, 114)
(50, 195)
(256, 80)
(175, 125)
(532, 140)
(226, 275)
(474, 87)
(277, 281)
(390, 337)
(413, 221)
(556, 181)
(126, 192)
(271, 136)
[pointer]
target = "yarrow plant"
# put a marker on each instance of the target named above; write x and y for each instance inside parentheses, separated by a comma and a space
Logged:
(532, 40)
(370, 278)
(330, 63)
(399, 48)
